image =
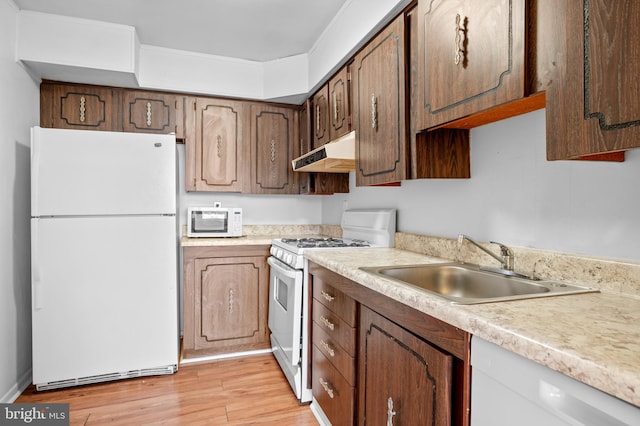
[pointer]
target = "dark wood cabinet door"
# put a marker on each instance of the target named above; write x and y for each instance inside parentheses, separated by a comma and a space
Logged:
(320, 117)
(402, 379)
(339, 104)
(79, 107)
(216, 156)
(152, 112)
(592, 105)
(471, 57)
(378, 76)
(274, 143)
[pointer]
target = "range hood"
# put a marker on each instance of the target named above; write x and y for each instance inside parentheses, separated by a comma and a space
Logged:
(338, 156)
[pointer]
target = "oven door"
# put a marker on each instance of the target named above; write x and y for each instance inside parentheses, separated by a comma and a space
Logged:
(285, 312)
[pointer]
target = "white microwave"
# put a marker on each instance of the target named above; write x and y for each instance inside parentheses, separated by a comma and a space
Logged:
(214, 222)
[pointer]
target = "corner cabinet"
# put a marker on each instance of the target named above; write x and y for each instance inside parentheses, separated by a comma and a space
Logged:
(273, 143)
(593, 106)
(225, 299)
(411, 368)
(471, 57)
(379, 108)
(216, 153)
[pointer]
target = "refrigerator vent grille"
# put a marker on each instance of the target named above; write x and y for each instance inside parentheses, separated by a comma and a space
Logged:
(169, 369)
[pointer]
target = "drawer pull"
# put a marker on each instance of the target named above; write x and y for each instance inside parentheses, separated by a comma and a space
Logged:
(325, 386)
(327, 296)
(390, 412)
(331, 326)
(328, 348)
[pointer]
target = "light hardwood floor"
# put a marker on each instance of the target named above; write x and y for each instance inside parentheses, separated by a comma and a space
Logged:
(237, 391)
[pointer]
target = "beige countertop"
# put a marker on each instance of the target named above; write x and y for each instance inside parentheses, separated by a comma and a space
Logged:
(594, 337)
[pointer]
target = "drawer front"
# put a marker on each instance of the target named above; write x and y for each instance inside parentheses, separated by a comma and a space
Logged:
(335, 300)
(338, 330)
(332, 391)
(335, 354)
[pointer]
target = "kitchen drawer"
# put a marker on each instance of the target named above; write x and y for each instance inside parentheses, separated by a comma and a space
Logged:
(332, 391)
(344, 363)
(335, 327)
(335, 300)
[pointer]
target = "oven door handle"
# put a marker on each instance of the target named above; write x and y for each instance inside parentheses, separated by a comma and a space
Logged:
(282, 268)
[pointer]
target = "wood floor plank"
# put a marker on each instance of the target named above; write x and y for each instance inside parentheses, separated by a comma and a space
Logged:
(235, 391)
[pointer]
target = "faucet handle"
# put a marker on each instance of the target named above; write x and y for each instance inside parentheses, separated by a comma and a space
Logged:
(507, 255)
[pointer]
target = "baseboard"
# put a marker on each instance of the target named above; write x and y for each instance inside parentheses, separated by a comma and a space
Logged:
(17, 389)
(224, 356)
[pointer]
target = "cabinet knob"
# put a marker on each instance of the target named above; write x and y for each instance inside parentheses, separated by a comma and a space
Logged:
(390, 412)
(326, 387)
(83, 108)
(328, 348)
(148, 114)
(461, 31)
(374, 112)
(331, 326)
(327, 296)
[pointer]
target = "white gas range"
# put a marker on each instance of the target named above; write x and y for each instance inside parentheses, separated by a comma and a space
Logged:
(289, 308)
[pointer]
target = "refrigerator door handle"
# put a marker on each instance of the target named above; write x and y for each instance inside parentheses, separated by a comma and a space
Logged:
(36, 282)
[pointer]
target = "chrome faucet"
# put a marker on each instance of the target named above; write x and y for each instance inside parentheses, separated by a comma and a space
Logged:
(506, 255)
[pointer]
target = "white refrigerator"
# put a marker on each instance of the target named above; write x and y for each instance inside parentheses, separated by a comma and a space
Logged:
(103, 256)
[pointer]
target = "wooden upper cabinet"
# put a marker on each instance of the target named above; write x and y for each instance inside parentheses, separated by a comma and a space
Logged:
(274, 143)
(69, 106)
(379, 108)
(471, 57)
(339, 104)
(215, 155)
(153, 112)
(320, 118)
(593, 105)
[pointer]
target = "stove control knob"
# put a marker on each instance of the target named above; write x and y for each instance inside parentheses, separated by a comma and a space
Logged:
(279, 253)
(289, 258)
(272, 250)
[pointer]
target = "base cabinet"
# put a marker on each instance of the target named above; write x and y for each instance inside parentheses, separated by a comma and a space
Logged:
(411, 369)
(403, 379)
(225, 300)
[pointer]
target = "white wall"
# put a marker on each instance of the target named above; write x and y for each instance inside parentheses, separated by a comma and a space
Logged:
(256, 209)
(18, 112)
(517, 197)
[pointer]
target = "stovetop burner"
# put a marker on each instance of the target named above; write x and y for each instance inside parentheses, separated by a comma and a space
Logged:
(324, 242)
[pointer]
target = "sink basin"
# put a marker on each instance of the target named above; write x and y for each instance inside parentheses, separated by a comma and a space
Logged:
(469, 284)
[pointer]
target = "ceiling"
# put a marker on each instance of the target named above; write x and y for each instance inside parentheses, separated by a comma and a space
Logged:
(257, 30)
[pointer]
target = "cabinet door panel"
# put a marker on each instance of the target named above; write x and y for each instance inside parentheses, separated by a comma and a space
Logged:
(79, 107)
(219, 147)
(274, 143)
(149, 112)
(230, 303)
(592, 106)
(471, 57)
(320, 118)
(339, 107)
(417, 390)
(378, 75)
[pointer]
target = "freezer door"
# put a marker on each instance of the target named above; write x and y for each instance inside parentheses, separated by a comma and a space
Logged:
(104, 296)
(83, 172)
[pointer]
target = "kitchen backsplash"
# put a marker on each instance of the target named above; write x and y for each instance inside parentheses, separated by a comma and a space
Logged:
(608, 275)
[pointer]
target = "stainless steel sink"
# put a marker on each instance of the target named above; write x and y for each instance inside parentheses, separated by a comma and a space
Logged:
(469, 284)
